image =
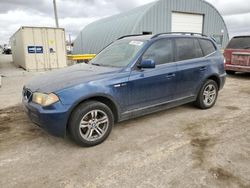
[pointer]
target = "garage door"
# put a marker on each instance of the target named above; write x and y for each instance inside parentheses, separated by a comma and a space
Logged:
(183, 22)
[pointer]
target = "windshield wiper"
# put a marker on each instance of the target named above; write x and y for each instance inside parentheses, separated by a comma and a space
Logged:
(96, 64)
(247, 47)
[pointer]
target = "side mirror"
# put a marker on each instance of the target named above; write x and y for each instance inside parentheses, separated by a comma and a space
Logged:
(147, 64)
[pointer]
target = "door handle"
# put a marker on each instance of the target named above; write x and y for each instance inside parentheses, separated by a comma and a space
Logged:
(170, 75)
(120, 85)
(203, 68)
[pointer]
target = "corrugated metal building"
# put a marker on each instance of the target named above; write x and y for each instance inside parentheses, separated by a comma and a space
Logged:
(160, 16)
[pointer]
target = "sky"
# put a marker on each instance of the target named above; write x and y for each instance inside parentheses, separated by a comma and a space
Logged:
(75, 14)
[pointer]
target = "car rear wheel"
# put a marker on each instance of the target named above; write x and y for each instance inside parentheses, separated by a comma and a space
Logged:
(207, 95)
(230, 72)
(91, 123)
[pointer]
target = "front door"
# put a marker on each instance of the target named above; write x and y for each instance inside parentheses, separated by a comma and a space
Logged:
(149, 87)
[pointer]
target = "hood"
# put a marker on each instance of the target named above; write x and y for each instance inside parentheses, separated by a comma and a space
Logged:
(70, 76)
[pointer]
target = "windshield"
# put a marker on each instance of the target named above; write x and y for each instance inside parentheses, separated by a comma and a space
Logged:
(239, 43)
(118, 54)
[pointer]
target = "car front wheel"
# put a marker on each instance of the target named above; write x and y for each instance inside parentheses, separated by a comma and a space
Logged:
(91, 123)
(207, 95)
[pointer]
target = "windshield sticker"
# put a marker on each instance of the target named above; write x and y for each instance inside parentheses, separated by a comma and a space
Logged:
(136, 43)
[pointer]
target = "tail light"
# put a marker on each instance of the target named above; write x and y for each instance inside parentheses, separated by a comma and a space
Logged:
(227, 57)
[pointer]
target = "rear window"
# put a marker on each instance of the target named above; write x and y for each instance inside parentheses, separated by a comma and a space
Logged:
(207, 46)
(239, 43)
(187, 48)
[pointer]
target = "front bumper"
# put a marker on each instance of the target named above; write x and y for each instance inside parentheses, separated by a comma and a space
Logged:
(237, 68)
(53, 119)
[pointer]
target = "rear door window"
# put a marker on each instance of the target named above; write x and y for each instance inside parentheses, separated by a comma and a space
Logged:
(161, 52)
(239, 43)
(207, 46)
(187, 48)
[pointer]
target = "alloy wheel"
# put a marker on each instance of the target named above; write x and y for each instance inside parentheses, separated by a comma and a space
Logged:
(209, 94)
(94, 125)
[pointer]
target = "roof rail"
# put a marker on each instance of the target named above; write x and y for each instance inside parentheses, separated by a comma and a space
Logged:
(180, 33)
(133, 35)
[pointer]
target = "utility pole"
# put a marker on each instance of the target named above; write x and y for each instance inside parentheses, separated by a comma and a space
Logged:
(70, 42)
(55, 11)
(70, 39)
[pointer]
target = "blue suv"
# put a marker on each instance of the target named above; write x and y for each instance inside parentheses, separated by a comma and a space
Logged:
(134, 76)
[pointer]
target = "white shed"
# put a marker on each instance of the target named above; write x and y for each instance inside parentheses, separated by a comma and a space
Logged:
(39, 48)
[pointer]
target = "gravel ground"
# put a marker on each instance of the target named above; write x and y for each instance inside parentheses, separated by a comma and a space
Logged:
(180, 147)
(13, 79)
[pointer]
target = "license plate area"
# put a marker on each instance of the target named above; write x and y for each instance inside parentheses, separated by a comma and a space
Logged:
(241, 59)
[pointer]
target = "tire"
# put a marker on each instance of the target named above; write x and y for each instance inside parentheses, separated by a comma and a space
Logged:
(207, 95)
(91, 123)
(230, 72)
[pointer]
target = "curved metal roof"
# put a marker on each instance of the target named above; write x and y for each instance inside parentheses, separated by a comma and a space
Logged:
(102, 32)
(213, 7)
(154, 17)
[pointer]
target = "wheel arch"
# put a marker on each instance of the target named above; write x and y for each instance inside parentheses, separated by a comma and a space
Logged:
(216, 79)
(213, 77)
(114, 107)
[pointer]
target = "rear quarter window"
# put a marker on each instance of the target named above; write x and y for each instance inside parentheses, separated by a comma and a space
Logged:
(239, 43)
(207, 46)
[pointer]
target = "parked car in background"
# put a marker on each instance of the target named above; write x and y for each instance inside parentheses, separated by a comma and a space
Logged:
(237, 55)
(6, 49)
(134, 76)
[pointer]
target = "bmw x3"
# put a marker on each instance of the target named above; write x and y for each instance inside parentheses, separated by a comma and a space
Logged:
(133, 76)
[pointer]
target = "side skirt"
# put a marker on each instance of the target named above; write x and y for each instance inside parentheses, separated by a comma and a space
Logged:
(155, 108)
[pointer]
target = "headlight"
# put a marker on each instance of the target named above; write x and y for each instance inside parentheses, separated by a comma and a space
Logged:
(44, 99)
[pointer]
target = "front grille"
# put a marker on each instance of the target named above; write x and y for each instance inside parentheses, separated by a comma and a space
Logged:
(27, 94)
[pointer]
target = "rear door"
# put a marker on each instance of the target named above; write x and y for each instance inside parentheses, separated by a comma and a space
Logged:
(149, 87)
(191, 66)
